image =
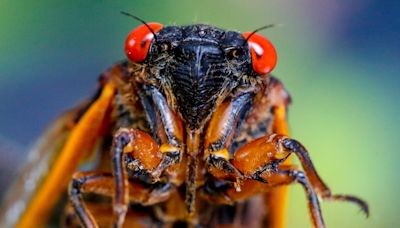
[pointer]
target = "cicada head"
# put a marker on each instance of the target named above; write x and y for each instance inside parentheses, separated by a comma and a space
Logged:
(198, 66)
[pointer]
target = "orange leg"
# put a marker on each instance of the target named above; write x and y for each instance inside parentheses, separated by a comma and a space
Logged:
(101, 212)
(261, 160)
(319, 186)
(264, 155)
(166, 124)
(144, 150)
(103, 184)
(219, 137)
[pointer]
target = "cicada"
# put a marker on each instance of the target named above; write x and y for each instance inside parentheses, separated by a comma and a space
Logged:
(189, 131)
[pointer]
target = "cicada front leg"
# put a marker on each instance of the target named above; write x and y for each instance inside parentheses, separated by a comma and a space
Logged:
(219, 136)
(293, 146)
(101, 212)
(260, 160)
(264, 159)
(167, 127)
(127, 143)
(103, 184)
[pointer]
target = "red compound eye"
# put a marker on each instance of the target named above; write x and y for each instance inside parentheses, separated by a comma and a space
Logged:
(263, 54)
(138, 42)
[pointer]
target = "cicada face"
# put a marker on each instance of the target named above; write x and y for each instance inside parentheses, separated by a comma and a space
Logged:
(200, 64)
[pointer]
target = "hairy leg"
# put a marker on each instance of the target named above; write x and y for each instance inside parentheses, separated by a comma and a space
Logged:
(103, 184)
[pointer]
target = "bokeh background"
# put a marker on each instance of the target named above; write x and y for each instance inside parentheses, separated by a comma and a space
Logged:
(339, 59)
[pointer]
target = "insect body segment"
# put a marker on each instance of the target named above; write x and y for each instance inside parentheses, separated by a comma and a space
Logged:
(198, 135)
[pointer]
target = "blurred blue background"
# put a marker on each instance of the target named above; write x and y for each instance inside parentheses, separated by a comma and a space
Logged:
(339, 59)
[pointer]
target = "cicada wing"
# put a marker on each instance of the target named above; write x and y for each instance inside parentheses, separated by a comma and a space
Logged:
(52, 161)
(39, 160)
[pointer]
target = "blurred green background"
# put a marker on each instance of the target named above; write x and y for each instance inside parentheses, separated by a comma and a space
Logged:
(339, 59)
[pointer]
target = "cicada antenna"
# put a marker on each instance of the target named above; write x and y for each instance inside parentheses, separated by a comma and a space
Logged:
(142, 21)
(259, 29)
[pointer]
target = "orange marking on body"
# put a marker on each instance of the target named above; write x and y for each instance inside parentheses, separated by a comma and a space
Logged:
(79, 143)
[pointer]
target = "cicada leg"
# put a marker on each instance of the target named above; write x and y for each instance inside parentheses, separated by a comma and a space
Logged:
(277, 198)
(260, 156)
(320, 187)
(103, 184)
(126, 142)
(219, 136)
(167, 127)
(221, 130)
(260, 160)
(101, 212)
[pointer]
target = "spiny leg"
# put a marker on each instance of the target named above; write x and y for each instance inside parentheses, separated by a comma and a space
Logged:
(266, 115)
(101, 212)
(264, 155)
(76, 189)
(246, 108)
(219, 136)
(103, 184)
(138, 144)
(261, 160)
(279, 99)
(121, 191)
(145, 158)
(320, 187)
(167, 127)
(312, 198)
